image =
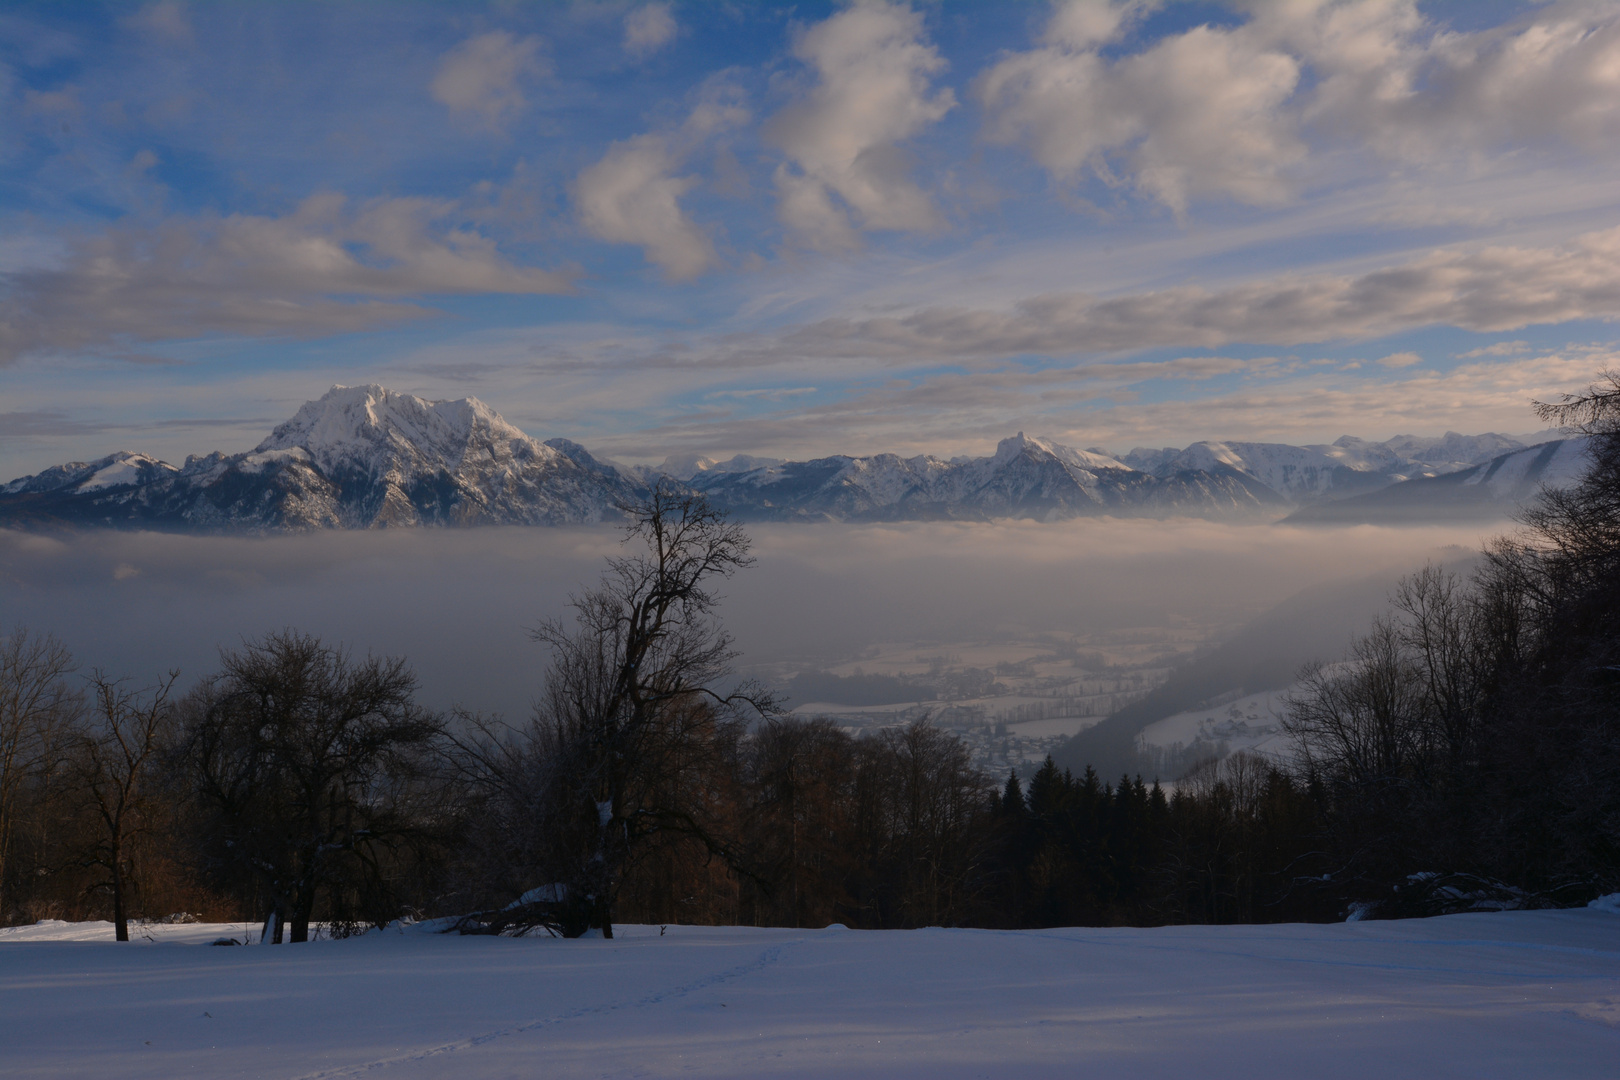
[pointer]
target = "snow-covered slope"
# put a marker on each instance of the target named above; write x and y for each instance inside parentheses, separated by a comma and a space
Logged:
(115, 470)
(1453, 452)
(1350, 466)
(359, 457)
(1483, 996)
(1308, 474)
(1296, 472)
(371, 430)
(1487, 491)
(1025, 478)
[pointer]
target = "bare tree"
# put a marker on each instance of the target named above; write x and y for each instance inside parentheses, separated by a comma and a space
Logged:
(638, 725)
(1360, 721)
(37, 710)
(129, 728)
(917, 802)
(802, 774)
(296, 749)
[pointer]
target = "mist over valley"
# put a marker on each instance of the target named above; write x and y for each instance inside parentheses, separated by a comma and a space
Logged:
(918, 606)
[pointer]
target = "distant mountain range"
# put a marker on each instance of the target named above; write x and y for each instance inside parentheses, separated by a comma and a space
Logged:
(366, 457)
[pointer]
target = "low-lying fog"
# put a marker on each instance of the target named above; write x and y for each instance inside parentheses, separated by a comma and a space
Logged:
(457, 602)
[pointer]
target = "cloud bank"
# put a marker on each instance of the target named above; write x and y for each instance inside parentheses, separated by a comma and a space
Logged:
(1485, 289)
(329, 266)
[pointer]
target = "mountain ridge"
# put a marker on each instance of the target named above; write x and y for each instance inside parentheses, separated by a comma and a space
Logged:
(369, 457)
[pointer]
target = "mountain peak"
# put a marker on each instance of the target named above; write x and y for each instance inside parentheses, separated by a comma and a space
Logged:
(1090, 460)
(374, 429)
(1007, 449)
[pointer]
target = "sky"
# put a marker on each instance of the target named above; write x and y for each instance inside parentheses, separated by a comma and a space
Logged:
(795, 230)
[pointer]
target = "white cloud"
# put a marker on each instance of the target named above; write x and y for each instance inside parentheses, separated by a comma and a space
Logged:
(872, 92)
(484, 76)
(1417, 92)
(1401, 360)
(1231, 111)
(648, 29)
(1491, 289)
(629, 197)
(326, 268)
(1196, 113)
(1501, 348)
(165, 19)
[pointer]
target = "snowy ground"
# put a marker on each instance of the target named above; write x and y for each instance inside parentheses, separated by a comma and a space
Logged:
(1251, 723)
(1522, 994)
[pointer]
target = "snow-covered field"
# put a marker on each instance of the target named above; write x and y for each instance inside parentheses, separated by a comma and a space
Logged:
(1252, 723)
(1520, 994)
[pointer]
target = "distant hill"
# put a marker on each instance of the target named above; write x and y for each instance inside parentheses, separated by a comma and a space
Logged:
(1267, 654)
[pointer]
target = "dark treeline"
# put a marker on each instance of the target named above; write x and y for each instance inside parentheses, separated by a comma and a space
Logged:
(301, 785)
(1465, 755)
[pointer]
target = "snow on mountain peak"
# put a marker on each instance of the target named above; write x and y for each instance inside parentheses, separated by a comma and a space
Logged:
(1009, 449)
(1294, 471)
(378, 431)
(685, 466)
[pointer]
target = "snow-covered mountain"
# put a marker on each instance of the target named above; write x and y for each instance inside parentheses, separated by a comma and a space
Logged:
(113, 471)
(1026, 477)
(366, 457)
(1482, 492)
(359, 457)
(1298, 473)
(685, 466)
(1350, 466)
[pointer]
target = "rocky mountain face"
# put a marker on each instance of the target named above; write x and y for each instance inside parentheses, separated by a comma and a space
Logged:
(360, 457)
(366, 457)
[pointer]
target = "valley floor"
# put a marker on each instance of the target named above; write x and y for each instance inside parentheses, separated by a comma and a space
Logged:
(1521, 994)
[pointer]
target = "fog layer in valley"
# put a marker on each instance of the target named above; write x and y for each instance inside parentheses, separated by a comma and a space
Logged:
(457, 603)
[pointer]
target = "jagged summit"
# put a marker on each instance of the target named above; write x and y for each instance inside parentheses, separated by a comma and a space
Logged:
(375, 429)
(1008, 449)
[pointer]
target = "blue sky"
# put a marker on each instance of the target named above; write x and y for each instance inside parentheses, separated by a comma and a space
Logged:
(802, 229)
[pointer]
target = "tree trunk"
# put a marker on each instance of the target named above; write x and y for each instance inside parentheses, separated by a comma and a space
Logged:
(303, 908)
(271, 935)
(120, 919)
